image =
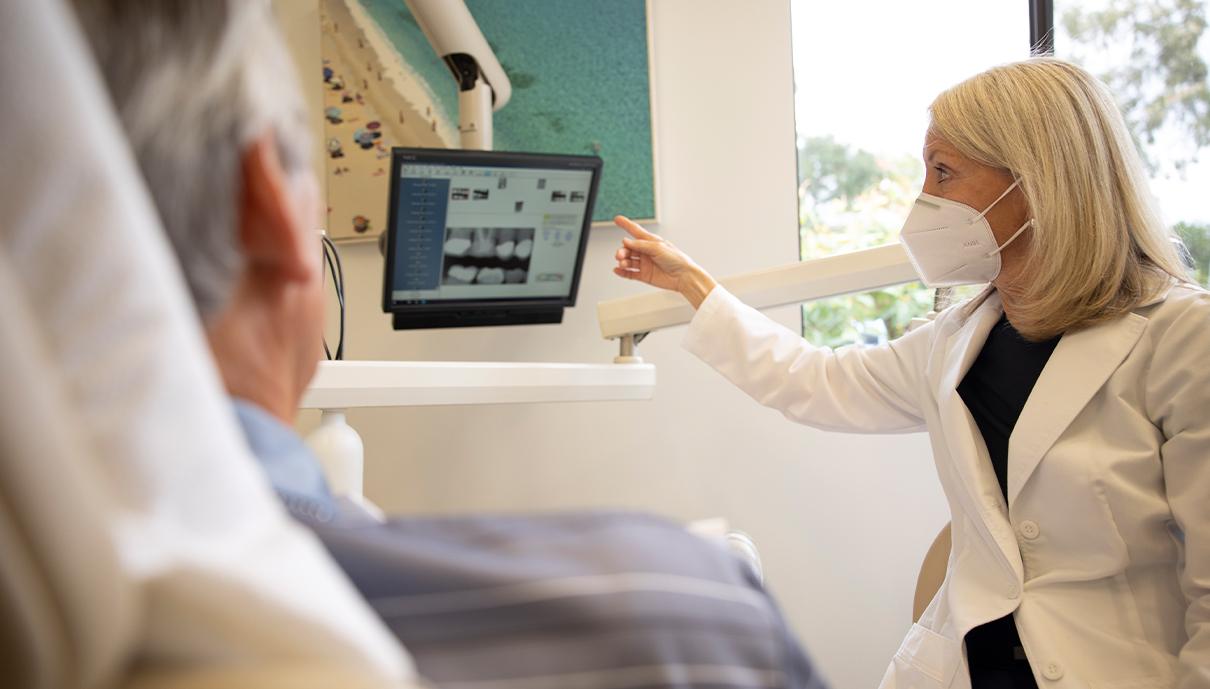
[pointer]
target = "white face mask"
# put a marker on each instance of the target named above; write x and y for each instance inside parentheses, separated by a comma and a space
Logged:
(951, 243)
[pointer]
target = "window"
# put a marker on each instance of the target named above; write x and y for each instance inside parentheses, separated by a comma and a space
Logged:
(864, 76)
(1153, 55)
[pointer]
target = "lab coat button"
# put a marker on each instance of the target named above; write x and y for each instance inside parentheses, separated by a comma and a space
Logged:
(1053, 671)
(1029, 530)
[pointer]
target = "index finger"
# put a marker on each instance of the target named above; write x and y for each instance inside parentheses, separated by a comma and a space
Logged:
(636, 230)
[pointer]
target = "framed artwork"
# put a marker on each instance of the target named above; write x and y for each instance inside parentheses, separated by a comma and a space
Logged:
(581, 83)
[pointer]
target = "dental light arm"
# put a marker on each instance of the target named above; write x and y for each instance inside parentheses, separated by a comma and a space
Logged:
(483, 87)
(630, 318)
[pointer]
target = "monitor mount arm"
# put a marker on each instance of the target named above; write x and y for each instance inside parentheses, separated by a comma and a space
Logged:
(474, 102)
(483, 86)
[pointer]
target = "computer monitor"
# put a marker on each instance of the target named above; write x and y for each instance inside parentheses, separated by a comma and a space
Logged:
(485, 238)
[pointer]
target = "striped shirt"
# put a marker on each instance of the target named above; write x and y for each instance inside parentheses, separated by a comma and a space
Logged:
(586, 600)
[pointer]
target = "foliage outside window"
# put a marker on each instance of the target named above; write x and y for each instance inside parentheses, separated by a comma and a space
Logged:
(862, 89)
(1153, 55)
(850, 199)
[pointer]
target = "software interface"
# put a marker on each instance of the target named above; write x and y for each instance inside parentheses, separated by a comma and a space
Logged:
(471, 232)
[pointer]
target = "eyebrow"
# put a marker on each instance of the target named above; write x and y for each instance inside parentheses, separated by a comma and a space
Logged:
(930, 154)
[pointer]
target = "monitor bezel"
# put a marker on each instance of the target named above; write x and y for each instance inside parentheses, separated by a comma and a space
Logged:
(554, 161)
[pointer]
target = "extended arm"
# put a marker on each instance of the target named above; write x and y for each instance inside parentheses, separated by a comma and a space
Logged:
(862, 389)
(856, 389)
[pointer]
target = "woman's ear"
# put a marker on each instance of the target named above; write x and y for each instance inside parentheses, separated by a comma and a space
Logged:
(275, 233)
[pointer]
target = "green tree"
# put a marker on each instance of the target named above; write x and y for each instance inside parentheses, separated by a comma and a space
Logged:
(869, 317)
(850, 199)
(832, 170)
(1146, 51)
(1162, 82)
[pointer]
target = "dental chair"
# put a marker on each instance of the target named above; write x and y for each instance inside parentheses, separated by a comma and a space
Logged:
(139, 545)
(932, 572)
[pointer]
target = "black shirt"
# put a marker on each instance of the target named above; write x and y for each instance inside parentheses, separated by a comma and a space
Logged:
(995, 390)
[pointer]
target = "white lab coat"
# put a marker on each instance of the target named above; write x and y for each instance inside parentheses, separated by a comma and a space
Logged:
(1103, 551)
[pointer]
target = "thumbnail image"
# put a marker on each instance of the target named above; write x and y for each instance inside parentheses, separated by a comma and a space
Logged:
(541, 183)
(558, 196)
(480, 194)
(460, 194)
(502, 183)
(577, 197)
(518, 206)
(487, 255)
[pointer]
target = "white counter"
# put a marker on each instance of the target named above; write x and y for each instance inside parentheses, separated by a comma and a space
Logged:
(348, 384)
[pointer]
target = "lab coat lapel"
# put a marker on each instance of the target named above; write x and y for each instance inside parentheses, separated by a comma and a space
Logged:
(964, 345)
(1079, 366)
(967, 449)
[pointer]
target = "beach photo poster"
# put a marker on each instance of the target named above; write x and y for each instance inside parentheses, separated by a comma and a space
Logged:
(581, 83)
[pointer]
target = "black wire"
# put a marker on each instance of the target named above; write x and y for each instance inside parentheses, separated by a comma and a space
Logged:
(328, 262)
(332, 258)
(339, 280)
(340, 271)
(336, 282)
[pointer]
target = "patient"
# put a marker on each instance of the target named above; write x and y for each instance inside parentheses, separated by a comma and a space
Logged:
(207, 96)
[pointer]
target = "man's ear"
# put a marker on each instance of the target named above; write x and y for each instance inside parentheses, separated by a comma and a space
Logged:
(269, 217)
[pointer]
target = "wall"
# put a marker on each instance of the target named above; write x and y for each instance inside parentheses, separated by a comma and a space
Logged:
(299, 21)
(842, 521)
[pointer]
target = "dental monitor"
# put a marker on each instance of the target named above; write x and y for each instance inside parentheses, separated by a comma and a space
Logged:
(480, 238)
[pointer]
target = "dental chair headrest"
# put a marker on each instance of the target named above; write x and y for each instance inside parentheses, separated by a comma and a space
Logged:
(135, 529)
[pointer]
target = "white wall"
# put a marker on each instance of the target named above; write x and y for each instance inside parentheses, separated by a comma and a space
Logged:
(299, 21)
(842, 521)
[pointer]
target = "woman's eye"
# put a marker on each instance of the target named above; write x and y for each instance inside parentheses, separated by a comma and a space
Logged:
(942, 172)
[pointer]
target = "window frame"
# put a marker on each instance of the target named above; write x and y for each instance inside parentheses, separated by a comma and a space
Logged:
(1042, 27)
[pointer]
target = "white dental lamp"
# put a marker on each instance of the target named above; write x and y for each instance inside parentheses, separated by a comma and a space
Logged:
(629, 319)
(483, 87)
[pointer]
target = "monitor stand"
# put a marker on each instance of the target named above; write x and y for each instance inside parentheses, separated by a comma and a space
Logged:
(478, 317)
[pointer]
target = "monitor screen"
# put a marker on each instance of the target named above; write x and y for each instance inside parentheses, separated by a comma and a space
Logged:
(479, 229)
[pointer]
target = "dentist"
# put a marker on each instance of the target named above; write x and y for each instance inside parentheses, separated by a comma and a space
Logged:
(1068, 405)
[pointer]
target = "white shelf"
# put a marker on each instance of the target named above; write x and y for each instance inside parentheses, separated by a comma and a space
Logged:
(347, 384)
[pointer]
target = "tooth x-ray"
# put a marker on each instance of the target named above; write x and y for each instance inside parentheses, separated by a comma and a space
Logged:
(487, 255)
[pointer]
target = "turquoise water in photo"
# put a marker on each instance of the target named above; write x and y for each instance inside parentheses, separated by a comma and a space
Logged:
(579, 75)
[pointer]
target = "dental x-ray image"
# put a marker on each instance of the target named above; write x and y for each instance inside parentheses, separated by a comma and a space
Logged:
(487, 255)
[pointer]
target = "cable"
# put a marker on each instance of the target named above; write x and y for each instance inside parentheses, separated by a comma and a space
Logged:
(338, 280)
(332, 259)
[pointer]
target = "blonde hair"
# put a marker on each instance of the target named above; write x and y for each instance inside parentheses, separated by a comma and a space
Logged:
(1098, 248)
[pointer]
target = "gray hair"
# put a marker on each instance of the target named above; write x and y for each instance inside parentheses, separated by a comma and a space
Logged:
(195, 83)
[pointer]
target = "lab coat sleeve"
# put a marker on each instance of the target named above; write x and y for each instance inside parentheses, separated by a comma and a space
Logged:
(852, 389)
(1179, 395)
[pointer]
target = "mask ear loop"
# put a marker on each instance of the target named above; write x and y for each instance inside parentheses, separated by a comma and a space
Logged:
(1010, 239)
(1014, 185)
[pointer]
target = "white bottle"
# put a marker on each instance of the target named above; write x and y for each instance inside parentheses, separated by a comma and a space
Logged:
(340, 452)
